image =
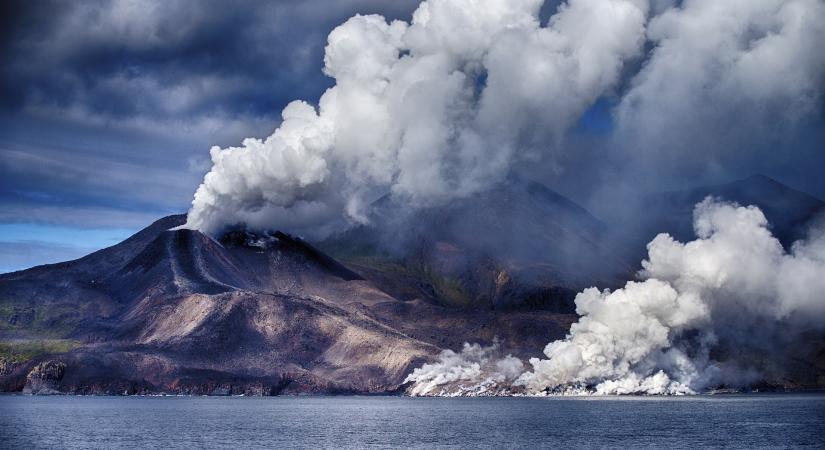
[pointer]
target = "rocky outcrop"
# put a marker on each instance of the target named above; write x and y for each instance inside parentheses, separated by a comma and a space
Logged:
(6, 367)
(44, 378)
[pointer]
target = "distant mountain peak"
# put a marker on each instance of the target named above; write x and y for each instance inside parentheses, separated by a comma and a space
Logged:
(761, 184)
(788, 210)
(760, 177)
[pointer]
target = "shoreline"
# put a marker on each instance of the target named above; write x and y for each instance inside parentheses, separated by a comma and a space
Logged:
(391, 395)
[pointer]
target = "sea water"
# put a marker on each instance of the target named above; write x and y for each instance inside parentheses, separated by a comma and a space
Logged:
(743, 421)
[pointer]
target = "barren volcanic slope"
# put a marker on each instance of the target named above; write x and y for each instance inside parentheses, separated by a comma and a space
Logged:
(519, 245)
(176, 311)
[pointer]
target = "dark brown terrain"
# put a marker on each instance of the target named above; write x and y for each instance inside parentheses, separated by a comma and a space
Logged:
(175, 311)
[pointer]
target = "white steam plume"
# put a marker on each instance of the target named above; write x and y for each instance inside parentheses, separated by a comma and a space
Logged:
(734, 286)
(476, 370)
(431, 109)
(723, 75)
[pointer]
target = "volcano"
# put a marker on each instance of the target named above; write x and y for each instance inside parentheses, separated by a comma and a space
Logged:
(172, 310)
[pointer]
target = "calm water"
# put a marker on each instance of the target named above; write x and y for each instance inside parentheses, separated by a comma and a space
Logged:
(380, 422)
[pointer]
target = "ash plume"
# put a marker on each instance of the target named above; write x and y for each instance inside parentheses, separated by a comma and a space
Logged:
(689, 324)
(468, 92)
(436, 108)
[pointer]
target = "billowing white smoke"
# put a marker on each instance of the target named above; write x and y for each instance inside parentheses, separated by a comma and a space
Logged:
(447, 104)
(432, 109)
(730, 287)
(476, 370)
(724, 74)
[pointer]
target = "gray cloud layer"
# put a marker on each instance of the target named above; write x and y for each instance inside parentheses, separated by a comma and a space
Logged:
(112, 104)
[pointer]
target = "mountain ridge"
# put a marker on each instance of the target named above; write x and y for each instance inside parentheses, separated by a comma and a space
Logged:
(173, 310)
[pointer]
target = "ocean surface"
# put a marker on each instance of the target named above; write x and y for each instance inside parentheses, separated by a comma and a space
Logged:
(744, 421)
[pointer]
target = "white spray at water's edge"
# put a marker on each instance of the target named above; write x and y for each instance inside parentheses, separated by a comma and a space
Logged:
(477, 370)
(731, 284)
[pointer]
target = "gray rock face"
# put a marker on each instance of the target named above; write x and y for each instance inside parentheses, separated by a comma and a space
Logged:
(44, 378)
(6, 367)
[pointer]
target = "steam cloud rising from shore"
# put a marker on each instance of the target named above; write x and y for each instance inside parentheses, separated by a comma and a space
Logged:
(734, 287)
(478, 368)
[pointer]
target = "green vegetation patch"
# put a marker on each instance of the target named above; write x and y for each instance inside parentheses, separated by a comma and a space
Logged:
(450, 291)
(23, 350)
(52, 320)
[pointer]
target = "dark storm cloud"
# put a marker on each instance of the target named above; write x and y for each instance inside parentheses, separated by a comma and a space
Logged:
(114, 104)
(122, 59)
(108, 108)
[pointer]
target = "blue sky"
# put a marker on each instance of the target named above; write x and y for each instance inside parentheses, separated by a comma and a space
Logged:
(28, 244)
